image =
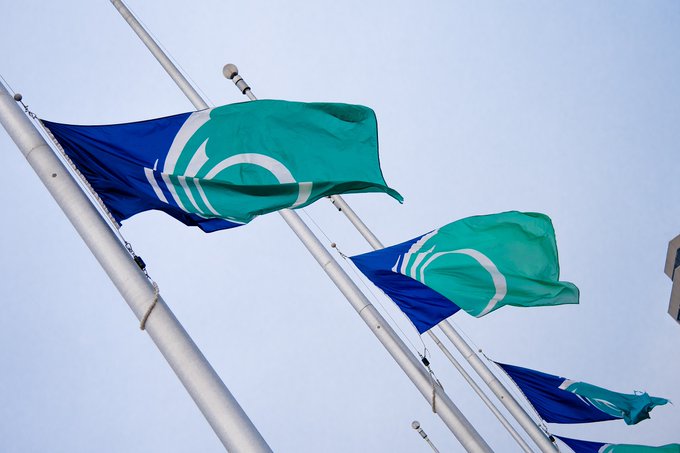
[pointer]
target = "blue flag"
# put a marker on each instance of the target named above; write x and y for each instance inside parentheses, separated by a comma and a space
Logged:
(219, 168)
(585, 446)
(477, 264)
(560, 400)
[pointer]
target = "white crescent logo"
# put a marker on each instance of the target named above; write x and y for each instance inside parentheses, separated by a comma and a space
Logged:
(200, 158)
(416, 269)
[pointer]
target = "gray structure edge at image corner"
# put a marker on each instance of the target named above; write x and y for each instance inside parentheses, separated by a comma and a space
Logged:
(671, 269)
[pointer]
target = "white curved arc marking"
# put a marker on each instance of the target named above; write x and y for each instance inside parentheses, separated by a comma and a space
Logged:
(193, 123)
(274, 166)
(280, 172)
(304, 191)
(183, 182)
(173, 192)
(197, 160)
(499, 281)
(413, 250)
(419, 259)
(565, 385)
(154, 185)
(608, 404)
(188, 129)
(204, 197)
(588, 400)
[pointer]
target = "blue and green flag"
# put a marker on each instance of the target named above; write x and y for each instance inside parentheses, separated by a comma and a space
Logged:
(221, 167)
(560, 400)
(585, 446)
(477, 264)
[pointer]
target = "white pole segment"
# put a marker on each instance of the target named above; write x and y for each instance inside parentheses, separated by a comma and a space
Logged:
(416, 425)
(446, 409)
(498, 388)
(480, 367)
(473, 359)
(342, 206)
(158, 53)
(371, 316)
(227, 418)
(494, 410)
(505, 397)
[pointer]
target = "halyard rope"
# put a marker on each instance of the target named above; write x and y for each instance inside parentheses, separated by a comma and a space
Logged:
(434, 382)
(104, 209)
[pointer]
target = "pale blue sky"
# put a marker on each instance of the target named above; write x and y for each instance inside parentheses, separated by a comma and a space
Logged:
(571, 109)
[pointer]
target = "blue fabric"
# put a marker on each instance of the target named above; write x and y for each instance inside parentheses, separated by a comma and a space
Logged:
(553, 404)
(113, 157)
(423, 306)
(582, 446)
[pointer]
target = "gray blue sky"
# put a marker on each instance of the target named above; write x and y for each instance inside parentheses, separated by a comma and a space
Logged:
(571, 109)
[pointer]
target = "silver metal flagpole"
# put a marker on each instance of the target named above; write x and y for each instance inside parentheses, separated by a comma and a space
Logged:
(416, 425)
(445, 408)
(220, 408)
(342, 206)
(505, 397)
(231, 72)
(504, 421)
(498, 389)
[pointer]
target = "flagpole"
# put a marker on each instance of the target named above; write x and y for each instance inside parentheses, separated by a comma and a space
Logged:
(498, 389)
(504, 421)
(444, 406)
(433, 393)
(416, 425)
(220, 408)
(372, 239)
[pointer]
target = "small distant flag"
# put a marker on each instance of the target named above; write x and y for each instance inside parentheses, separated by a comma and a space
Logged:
(221, 167)
(560, 400)
(478, 264)
(584, 446)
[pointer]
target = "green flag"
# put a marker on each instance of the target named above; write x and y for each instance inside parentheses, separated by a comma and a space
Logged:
(632, 408)
(482, 263)
(478, 264)
(268, 155)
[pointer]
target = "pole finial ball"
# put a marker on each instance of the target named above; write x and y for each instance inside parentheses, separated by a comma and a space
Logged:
(415, 424)
(230, 71)
(18, 97)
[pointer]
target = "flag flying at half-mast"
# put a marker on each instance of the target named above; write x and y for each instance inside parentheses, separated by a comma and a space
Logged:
(560, 400)
(478, 264)
(585, 446)
(219, 168)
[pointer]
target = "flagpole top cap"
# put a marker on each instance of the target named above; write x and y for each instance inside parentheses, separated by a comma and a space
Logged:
(18, 97)
(230, 71)
(415, 424)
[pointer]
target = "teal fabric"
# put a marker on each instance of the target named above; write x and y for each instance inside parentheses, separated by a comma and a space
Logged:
(256, 157)
(484, 262)
(632, 408)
